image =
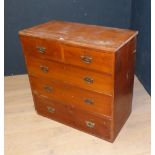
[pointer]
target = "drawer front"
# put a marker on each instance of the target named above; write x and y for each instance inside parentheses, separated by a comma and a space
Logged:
(90, 59)
(52, 109)
(82, 99)
(100, 127)
(89, 123)
(41, 48)
(72, 75)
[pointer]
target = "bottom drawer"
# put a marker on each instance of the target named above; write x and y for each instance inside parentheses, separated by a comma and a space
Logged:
(82, 120)
(52, 110)
(89, 123)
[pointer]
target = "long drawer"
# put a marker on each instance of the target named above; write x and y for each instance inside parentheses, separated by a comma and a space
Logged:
(83, 99)
(81, 120)
(82, 78)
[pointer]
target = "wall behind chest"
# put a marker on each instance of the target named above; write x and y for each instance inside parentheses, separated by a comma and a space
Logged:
(141, 21)
(22, 14)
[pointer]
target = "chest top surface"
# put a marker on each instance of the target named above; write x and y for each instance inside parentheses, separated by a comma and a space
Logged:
(99, 37)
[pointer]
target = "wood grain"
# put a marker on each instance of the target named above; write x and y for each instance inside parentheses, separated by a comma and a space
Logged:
(28, 133)
(73, 117)
(74, 96)
(92, 36)
(109, 71)
(31, 45)
(102, 83)
(102, 61)
(124, 78)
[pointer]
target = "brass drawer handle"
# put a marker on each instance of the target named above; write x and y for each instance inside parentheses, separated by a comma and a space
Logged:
(44, 69)
(88, 79)
(88, 101)
(50, 109)
(90, 124)
(86, 59)
(41, 49)
(48, 88)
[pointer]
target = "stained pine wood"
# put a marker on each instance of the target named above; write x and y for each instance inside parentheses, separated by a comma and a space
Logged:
(28, 133)
(100, 104)
(32, 44)
(102, 83)
(69, 54)
(99, 37)
(92, 58)
(52, 109)
(101, 61)
(73, 117)
(125, 66)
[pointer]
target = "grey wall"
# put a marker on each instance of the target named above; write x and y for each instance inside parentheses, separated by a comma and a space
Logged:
(141, 21)
(20, 14)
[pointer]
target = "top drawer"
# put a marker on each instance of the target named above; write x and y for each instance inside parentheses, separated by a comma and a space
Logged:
(89, 58)
(41, 48)
(75, 55)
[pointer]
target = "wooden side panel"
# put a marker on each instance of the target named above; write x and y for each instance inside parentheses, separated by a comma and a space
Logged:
(124, 78)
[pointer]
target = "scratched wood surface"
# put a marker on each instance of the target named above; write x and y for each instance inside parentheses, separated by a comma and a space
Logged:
(27, 133)
(99, 37)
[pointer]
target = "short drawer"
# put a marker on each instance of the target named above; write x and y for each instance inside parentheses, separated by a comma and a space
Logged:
(99, 104)
(75, 76)
(89, 58)
(41, 48)
(100, 127)
(52, 109)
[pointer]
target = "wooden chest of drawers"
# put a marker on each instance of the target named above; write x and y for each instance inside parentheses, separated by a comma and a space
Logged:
(81, 75)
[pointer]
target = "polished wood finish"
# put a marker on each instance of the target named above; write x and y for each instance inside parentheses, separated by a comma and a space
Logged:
(76, 97)
(53, 110)
(124, 84)
(31, 45)
(85, 72)
(100, 61)
(64, 73)
(92, 36)
(69, 54)
(76, 118)
(27, 133)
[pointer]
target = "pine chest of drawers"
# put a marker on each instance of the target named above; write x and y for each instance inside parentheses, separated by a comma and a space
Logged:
(81, 75)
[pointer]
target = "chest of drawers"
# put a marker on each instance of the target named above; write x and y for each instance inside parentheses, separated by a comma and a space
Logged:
(81, 75)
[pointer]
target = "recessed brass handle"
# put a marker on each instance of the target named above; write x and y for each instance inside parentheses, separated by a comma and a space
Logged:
(41, 49)
(88, 101)
(86, 59)
(90, 124)
(48, 88)
(50, 109)
(88, 80)
(44, 69)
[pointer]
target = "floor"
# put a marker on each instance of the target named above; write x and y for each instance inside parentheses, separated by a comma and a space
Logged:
(27, 133)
